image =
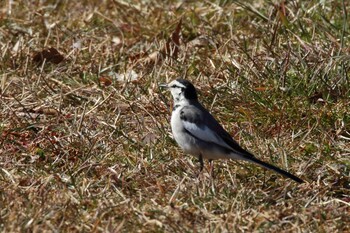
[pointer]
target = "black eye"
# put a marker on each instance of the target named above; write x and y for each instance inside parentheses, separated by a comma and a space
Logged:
(174, 86)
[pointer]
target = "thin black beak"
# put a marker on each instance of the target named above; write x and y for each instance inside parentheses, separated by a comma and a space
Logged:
(164, 85)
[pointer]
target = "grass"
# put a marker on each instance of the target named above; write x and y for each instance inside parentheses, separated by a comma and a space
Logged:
(86, 144)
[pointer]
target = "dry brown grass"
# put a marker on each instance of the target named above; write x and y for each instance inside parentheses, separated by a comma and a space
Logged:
(83, 150)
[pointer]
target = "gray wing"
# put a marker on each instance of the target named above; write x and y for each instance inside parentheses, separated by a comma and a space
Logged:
(202, 125)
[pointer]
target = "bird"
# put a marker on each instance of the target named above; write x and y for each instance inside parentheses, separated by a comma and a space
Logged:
(199, 134)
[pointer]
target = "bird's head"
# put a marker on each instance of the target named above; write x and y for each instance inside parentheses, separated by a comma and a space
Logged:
(181, 90)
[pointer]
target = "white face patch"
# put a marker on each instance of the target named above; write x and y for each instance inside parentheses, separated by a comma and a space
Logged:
(176, 88)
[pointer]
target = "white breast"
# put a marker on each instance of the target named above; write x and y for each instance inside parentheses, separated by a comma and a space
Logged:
(186, 142)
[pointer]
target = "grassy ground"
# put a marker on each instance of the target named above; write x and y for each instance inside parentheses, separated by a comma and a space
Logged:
(86, 144)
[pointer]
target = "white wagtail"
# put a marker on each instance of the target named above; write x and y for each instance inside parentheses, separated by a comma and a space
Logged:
(199, 134)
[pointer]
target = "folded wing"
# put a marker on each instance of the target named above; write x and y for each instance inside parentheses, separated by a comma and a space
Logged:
(201, 124)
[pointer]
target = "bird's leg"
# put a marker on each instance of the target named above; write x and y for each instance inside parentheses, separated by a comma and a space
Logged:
(200, 159)
(211, 168)
(211, 175)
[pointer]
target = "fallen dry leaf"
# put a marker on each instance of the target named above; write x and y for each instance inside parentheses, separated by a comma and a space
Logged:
(50, 55)
(105, 80)
(170, 49)
(173, 43)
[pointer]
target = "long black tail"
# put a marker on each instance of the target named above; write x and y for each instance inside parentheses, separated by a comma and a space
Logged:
(276, 169)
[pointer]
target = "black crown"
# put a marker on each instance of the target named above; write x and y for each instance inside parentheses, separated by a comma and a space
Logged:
(189, 90)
